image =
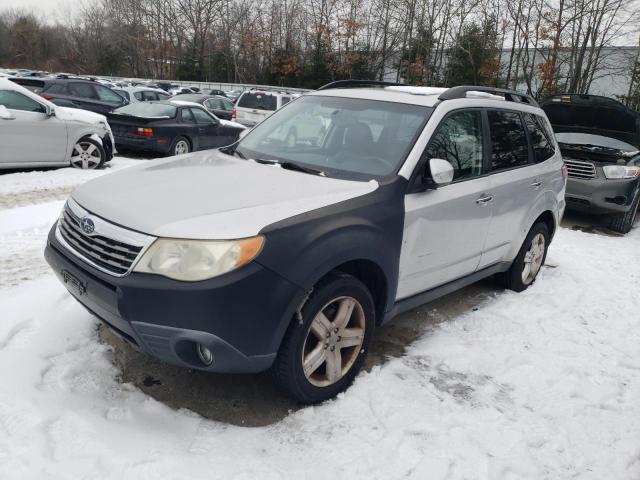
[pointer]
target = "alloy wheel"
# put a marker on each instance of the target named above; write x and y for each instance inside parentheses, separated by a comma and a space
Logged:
(86, 155)
(533, 259)
(182, 147)
(334, 341)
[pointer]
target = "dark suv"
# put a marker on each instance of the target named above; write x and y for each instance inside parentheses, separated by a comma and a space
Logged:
(74, 93)
(600, 140)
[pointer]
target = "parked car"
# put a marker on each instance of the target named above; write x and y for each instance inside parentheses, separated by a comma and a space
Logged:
(266, 254)
(37, 133)
(600, 142)
(74, 92)
(221, 107)
(233, 94)
(181, 90)
(170, 128)
(253, 106)
(217, 92)
(141, 94)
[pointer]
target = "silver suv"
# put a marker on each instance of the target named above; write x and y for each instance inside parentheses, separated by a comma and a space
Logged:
(253, 106)
(287, 254)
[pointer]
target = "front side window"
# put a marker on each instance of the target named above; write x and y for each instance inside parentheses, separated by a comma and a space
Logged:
(540, 141)
(508, 140)
(358, 138)
(458, 140)
(17, 101)
(107, 96)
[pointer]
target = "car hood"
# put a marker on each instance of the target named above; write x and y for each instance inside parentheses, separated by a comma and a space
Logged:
(210, 195)
(614, 122)
(81, 116)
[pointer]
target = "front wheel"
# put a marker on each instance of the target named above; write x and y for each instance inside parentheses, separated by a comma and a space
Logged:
(322, 354)
(529, 261)
(88, 154)
(623, 222)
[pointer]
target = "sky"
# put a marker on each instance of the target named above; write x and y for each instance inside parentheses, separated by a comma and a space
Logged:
(44, 7)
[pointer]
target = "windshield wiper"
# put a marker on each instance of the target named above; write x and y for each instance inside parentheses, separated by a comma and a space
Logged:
(292, 166)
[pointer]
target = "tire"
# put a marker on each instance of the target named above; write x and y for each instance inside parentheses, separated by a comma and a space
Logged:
(88, 154)
(623, 222)
(180, 146)
(518, 278)
(315, 339)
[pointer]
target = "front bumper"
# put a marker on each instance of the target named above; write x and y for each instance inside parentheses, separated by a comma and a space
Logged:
(600, 195)
(240, 316)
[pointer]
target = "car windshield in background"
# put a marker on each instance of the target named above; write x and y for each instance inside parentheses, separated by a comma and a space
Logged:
(187, 97)
(576, 138)
(147, 110)
(258, 101)
(365, 138)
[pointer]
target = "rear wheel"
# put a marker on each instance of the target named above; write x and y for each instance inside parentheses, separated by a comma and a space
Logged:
(529, 261)
(88, 154)
(180, 146)
(321, 355)
(623, 222)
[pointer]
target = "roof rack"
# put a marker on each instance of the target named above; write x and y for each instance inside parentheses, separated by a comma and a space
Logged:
(360, 83)
(509, 95)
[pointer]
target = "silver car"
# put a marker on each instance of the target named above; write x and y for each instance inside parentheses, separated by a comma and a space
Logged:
(36, 133)
(287, 251)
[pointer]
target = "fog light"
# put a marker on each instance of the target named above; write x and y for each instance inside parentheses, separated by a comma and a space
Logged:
(205, 355)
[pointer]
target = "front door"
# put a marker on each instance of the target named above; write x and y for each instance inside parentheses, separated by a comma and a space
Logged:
(25, 121)
(446, 228)
(208, 129)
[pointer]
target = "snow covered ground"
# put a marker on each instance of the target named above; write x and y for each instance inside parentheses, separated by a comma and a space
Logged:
(541, 385)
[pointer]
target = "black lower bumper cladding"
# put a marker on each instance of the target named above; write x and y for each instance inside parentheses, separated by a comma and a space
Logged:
(240, 316)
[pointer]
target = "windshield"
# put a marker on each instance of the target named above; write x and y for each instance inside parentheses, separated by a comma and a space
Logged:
(590, 139)
(366, 137)
(147, 110)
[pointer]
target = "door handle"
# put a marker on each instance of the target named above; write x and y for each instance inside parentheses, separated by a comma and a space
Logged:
(536, 185)
(484, 200)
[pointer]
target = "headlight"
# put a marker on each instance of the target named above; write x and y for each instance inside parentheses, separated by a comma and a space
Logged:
(620, 171)
(193, 260)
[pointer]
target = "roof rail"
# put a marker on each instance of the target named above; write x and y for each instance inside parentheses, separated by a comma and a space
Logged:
(359, 83)
(509, 95)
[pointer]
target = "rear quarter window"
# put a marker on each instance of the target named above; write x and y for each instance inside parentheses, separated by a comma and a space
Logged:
(541, 141)
(258, 101)
(509, 146)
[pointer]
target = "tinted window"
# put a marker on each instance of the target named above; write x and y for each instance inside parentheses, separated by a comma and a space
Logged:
(508, 140)
(17, 101)
(258, 101)
(187, 116)
(540, 140)
(138, 96)
(148, 110)
(59, 88)
(285, 100)
(149, 96)
(202, 117)
(107, 96)
(83, 90)
(458, 139)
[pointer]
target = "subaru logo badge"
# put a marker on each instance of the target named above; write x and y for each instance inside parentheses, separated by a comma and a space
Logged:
(87, 225)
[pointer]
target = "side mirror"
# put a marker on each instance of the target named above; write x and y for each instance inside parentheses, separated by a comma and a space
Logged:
(5, 114)
(49, 111)
(441, 172)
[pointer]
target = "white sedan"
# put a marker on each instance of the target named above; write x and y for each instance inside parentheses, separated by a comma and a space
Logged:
(36, 133)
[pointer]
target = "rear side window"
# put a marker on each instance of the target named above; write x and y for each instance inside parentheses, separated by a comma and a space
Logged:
(107, 96)
(17, 101)
(508, 140)
(59, 88)
(202, 117)
(123, 93)
(83, 90)
(540, 141)
(187, 116)
(458, 140)
(285, 100)
(258, 101)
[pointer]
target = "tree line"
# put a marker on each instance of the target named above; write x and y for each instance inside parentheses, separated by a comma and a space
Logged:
(538, 46)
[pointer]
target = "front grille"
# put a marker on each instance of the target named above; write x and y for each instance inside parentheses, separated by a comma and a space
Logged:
(580, 169)
(112, 255)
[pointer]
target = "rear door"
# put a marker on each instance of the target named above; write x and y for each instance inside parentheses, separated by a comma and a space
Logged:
(515, 184)
(445, 229)
(28, 135)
